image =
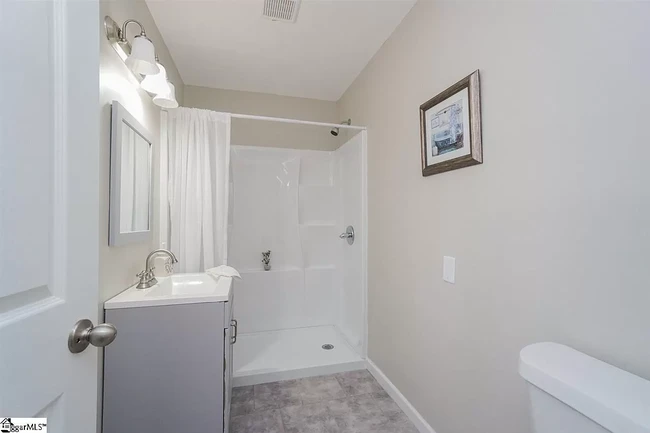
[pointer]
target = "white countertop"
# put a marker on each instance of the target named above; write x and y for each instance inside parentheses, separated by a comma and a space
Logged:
(175, 290)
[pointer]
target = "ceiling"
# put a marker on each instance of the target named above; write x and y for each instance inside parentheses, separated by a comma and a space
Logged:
(228, 44)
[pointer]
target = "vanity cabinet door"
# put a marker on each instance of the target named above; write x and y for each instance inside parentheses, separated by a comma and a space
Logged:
(164, 371)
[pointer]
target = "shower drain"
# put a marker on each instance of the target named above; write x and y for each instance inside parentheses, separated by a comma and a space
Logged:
(328, 346)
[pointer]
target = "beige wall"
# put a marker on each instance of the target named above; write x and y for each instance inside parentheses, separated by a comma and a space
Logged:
(550, 233)
(118, 265)
(257, 133)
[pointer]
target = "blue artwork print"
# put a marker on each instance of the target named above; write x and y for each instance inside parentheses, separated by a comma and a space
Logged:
(447, 129)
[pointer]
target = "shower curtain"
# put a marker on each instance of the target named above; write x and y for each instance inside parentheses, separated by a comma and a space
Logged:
(198, 185)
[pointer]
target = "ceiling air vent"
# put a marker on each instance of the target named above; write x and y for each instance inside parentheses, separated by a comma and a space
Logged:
(281, 10)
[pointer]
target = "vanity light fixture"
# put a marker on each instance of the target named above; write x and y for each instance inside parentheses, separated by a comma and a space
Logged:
(166, 99)
(163, 89)
(142, 61)
(139, 57)
(156, 83)
(143, 58)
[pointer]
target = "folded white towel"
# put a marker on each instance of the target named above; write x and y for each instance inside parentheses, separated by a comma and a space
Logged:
(224, 271)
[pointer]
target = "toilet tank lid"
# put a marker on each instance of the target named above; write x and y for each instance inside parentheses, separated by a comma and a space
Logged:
(613, 398)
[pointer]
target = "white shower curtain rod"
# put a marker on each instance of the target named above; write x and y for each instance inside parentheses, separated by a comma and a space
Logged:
(299, 122)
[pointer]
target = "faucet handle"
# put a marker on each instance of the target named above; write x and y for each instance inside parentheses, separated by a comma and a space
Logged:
(146, 274)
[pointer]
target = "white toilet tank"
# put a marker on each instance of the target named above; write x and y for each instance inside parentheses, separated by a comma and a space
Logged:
(571, 392)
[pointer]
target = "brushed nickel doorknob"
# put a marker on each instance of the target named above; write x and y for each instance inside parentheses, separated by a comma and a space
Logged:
(348, 234)
(84, 334)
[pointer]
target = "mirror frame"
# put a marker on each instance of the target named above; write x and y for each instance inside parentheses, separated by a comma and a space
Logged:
(120, 117)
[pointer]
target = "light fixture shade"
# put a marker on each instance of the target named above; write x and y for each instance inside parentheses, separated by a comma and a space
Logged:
(143, 56)
(167, 99)
(156, 83)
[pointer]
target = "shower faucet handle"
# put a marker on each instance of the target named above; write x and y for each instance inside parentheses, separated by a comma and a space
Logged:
(345, 235)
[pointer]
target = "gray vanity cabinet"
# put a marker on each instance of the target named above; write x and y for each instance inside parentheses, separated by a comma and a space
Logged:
(169, 369)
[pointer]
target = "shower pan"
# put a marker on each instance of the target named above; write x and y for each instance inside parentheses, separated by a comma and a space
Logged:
(307, 315)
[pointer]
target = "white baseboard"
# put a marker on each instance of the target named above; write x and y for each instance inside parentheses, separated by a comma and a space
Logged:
(402, 402)
(258, 377)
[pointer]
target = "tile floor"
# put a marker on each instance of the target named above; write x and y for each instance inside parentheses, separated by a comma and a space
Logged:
(351, 402)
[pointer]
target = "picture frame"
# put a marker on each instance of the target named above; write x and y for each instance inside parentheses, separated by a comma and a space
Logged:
(450, 128)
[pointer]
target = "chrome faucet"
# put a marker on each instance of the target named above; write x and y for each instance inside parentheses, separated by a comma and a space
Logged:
(147, 277)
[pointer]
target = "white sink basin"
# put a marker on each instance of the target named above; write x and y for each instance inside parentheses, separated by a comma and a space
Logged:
(182, 284)
(174, 290)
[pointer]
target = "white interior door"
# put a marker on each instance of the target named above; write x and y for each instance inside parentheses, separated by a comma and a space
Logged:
(49, 234)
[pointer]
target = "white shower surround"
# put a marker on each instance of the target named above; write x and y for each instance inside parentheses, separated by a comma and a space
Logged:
(324, 286)
(314, 207)
(300, 290)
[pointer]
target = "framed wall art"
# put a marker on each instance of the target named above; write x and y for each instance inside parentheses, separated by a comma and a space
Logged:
(450, 128)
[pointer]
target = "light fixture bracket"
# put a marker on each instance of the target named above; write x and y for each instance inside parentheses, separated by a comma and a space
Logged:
(114, 36)
(121, 46)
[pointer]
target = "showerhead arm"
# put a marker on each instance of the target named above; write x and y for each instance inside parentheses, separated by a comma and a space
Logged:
(335, 131)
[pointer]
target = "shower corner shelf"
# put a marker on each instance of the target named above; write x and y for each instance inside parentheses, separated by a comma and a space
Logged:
(273, 269)
(320, 267)
(317, 185)
(289, 269)
(318, 224)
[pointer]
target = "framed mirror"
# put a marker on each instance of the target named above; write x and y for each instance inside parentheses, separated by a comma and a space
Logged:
(131, 197)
